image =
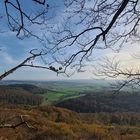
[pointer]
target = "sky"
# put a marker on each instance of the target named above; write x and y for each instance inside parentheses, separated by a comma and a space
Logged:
(13, 51)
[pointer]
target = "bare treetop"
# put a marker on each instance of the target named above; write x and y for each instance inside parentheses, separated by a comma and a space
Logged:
(82, 26)
(94, 24)
(21, 19)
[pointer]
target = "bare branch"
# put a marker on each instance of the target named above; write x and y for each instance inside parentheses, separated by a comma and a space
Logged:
(20, 24)
(23, 121)
(25, 63)
(40, 1)
(99, 24)
(112, 68)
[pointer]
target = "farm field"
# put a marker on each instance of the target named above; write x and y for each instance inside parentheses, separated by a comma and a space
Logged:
(59, 91)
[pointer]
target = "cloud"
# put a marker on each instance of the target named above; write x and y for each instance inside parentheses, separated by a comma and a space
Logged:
(7, 59)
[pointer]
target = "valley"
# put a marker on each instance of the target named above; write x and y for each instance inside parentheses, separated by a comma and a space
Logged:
(62, 110)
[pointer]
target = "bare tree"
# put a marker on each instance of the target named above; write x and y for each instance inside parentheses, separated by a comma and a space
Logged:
(125, 76)
(29, 62)
(87, 26)
(92, 25)
(21, 20)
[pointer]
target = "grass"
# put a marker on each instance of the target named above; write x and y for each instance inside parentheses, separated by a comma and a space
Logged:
(63, 91)
(51, 97)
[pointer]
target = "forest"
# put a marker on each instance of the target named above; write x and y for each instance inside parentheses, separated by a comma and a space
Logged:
(100, 102)
(51, 123)
(49, 50)
(93, 116)
(20, 95)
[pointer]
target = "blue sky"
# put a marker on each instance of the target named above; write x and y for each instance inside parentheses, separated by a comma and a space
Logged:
(14, 50)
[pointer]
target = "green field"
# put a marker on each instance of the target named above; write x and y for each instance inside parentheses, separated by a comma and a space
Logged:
(58, 91)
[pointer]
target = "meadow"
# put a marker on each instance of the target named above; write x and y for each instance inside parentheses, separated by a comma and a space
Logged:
(63, 90)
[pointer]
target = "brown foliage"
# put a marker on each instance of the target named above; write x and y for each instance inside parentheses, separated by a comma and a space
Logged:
(71, 126)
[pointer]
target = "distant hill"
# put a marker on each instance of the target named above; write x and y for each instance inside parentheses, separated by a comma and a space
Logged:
(94, 102)
(22, 94)
(28, 87)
